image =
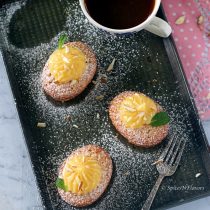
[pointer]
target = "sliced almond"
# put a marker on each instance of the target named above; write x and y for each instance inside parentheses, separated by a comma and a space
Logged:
(68, 117)
(126, 173)
(66, 60)
(180, 20)
(208, 96)
(50, 80)
(41, 125)
(99, 98)
(111, 66)
(157, 162)
(73, 82)
(129, 108)
(80, 186)
(200, 20)
(67, 49)
(103, 79)
(94, 82)
(197, 175)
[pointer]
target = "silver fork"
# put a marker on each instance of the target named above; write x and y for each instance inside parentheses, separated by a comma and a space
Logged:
(166, 165)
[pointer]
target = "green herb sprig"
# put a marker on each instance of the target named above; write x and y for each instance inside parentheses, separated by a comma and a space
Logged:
(161, 118)
(60, 184)
(63, 38)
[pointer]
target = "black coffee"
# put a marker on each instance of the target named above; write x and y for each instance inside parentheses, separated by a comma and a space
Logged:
(119, 14)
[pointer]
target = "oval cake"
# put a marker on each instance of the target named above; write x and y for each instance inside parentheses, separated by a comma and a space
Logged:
(131, 112)
(68, 71)
(86, 174)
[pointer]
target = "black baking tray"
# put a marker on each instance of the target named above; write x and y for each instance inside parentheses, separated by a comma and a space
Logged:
(144, 62)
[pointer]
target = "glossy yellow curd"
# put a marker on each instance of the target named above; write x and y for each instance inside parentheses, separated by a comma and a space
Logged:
(137, 110)
(81, 174)
(67, 64)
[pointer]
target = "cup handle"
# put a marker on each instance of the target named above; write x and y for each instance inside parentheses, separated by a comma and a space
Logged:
(159, 27)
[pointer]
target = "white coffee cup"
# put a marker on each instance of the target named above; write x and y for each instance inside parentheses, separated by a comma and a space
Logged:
(152, 24)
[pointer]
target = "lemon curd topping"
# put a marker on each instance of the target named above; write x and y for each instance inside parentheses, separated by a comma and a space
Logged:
(67, 64)
(81, 174)
(137, 110)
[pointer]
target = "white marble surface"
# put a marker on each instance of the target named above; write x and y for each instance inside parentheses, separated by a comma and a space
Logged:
(17, 183)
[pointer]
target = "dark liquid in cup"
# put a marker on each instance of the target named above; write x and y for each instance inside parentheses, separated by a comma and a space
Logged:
(119, 14)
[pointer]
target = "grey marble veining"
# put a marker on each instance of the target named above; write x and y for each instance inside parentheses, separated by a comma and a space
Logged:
(18, 190)
(17, 183)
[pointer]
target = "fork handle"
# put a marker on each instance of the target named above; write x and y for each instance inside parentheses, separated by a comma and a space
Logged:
(152, 194)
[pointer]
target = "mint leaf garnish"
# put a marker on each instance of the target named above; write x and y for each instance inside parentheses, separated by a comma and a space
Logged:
(60, 184)
(62, 40)
(161, 118)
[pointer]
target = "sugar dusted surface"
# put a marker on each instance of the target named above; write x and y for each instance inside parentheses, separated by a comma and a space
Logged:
(67, 91)
(146, 136)
(105, 163)
(141, 65)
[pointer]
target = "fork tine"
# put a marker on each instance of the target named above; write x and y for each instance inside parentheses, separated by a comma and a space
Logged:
(175, 152)
(163, 155)
(171, 149)
(176, 163)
